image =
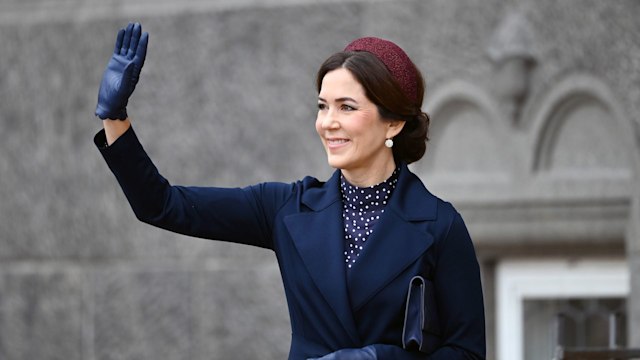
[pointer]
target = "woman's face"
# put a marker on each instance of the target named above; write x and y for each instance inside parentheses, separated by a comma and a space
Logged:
(350, 125)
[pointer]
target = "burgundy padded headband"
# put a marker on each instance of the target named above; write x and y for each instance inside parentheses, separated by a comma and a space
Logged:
(394, 58)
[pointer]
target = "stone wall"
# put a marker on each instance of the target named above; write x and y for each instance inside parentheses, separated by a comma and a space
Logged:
(226, 97)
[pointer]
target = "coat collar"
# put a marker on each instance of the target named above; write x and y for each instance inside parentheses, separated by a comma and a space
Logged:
(396, 243)
(411, 200)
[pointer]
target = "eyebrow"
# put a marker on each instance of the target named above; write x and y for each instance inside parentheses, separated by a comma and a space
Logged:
(342, 99)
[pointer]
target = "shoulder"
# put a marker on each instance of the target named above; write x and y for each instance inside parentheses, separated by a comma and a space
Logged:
(416, 198)
(302, 185)
(317, 195)
(446, 211)
(451, 228)
(308, 191)
(309, 182)
(448, 216)
(440, 213)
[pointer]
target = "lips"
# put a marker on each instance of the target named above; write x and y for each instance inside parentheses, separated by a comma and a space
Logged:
(334, 143)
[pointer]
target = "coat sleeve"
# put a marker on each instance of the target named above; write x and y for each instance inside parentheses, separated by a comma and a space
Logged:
(242, 215)
(458, 292)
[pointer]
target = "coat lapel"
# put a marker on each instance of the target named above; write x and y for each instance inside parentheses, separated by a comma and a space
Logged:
(318, 236)
(397, 241)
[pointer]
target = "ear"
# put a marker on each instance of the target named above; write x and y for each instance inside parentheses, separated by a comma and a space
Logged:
(394, 127)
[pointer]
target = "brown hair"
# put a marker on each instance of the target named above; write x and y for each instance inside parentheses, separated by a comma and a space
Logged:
(393, 104)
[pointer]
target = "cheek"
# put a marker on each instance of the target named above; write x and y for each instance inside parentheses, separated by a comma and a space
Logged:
(318, 125)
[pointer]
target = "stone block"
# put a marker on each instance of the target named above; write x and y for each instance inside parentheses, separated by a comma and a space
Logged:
(142, 314)
(41, 314)
(240, 313)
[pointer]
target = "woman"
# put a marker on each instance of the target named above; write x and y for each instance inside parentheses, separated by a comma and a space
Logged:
(373, 265)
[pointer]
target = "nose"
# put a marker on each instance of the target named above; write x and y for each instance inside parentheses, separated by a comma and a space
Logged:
(329, 120)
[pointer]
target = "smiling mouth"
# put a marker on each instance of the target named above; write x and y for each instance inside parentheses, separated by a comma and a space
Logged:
(336, 142)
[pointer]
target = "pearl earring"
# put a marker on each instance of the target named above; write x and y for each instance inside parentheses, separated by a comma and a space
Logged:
(388, 143)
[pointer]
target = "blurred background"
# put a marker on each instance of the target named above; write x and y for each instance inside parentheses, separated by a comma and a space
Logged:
(535, 139)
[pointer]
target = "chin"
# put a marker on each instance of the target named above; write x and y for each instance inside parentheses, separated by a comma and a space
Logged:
(335, 163)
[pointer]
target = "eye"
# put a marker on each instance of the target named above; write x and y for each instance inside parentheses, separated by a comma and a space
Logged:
(346, 107)
(322, 106)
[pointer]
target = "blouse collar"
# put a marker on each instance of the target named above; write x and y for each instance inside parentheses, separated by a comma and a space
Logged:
(369, 198)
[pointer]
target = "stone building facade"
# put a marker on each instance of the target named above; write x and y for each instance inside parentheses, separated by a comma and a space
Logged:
(535, 138)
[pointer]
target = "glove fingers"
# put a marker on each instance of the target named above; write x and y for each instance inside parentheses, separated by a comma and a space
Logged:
(135, 38)
(127, 39)
(141, 53)
(119, 39)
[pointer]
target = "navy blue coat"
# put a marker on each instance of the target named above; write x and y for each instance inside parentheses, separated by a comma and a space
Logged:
(419, 234)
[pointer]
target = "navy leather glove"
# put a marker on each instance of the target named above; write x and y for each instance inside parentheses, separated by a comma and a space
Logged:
(122, 73)
(365, 353)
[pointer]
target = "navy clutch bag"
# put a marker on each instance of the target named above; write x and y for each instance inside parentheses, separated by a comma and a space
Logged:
(421, 331)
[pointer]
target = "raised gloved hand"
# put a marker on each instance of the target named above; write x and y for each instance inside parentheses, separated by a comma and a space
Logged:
(122, 73)
(365, 353)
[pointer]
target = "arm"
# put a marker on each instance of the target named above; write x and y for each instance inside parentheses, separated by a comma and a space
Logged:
(114, 129)
(239, 215)
(232, 214)
(459, 300)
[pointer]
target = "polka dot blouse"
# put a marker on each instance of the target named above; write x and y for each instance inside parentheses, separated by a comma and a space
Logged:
(362, 208)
